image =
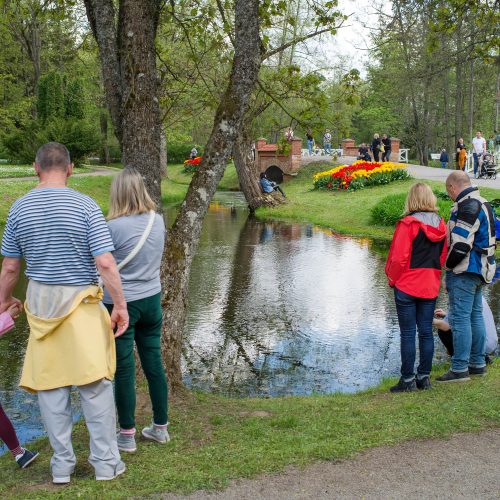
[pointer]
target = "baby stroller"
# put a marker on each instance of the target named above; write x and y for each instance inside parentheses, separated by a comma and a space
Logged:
(487, 168)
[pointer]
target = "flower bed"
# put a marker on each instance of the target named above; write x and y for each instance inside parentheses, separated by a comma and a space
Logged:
(192, 165)
(359, 175)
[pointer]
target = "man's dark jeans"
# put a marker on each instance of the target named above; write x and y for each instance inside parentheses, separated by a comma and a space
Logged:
(414, 313)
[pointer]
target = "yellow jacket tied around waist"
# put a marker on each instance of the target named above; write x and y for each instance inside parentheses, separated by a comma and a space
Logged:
(77, 348)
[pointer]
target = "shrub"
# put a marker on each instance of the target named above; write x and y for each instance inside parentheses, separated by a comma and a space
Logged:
(388, 210)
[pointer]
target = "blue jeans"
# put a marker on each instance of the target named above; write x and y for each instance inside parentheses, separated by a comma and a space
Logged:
(465, 315)
(327, 147)
(443, 164)
(476, 162)
(310, 146)
(414, 313)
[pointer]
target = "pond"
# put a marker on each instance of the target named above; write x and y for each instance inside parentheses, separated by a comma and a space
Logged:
(274, 309)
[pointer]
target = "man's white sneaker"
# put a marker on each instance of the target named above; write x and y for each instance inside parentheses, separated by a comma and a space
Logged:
(61, 479)
(119, 470)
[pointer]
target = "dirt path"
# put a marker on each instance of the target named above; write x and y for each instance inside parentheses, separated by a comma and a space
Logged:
(100, 171)
(464, 466)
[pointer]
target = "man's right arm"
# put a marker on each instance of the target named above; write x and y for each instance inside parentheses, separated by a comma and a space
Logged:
(9, 276)
(106, 265)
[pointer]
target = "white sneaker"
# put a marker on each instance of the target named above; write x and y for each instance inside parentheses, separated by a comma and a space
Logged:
(156, 433)
(119, 470)
(61, 479)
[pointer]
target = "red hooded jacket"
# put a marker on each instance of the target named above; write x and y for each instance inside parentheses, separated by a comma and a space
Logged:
(417, 254)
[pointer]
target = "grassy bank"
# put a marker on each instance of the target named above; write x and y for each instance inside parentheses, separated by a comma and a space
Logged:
(174, 188)
(344, 212)
(215, 439)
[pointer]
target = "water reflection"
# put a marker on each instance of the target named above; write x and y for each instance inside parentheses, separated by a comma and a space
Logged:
(289, 309)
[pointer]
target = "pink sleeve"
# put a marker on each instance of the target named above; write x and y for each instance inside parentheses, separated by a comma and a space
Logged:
(6, 322)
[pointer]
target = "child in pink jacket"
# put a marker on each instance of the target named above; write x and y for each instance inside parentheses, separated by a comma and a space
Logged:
(8, 435)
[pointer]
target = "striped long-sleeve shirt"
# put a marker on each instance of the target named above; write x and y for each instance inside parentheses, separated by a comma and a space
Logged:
(58, 231)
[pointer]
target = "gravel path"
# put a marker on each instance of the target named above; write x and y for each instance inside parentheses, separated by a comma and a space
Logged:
(465, 466)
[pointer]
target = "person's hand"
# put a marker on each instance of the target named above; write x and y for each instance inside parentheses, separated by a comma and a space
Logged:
(12, 301)
(15, 310)
(439, 313)
(119, 320)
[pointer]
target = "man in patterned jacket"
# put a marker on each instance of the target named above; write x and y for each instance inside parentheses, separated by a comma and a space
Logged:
(470, 264)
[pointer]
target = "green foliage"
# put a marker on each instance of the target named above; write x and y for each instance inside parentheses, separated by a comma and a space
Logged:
(283, 146)
(50, 103)
(74, 99)
(80, 137)
(389, 210)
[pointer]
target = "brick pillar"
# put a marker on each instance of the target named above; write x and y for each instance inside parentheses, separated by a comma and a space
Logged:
(260, 142)
(395, 145)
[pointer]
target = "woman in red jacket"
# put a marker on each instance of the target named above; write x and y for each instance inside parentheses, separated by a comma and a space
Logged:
(418, 251)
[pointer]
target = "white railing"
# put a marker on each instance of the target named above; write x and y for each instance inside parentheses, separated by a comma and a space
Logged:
(321, 152)
(403, 156)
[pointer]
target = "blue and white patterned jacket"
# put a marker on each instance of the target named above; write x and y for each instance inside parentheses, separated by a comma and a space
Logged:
(471, 236)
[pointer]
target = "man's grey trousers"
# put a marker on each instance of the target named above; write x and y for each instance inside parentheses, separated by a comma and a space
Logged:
(99, 411)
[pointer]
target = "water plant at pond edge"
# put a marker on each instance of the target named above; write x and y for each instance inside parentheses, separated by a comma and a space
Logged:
(359, 175)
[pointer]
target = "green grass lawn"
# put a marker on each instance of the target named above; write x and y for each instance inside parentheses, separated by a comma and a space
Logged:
(215, 439)
(13, 171)
(344, 212)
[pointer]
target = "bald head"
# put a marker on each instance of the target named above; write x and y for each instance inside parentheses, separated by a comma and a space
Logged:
(456, 182)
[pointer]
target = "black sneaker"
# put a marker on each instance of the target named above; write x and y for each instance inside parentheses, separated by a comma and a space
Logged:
(403, 386)
(451, 376)
(477, 371)
(424, 383)
(26, 458)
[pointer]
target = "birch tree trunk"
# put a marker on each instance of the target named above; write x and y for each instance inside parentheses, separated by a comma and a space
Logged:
(185, 233)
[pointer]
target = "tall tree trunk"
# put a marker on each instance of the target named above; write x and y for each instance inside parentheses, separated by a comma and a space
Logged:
(450, 147)
(497, 97)
(127, 50)
(471, 99)
(103, 119)
(458, 84)
(185, 233)
(248, 174)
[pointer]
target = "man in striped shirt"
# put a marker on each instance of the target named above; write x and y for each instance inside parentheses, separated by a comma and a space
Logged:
(63, 237)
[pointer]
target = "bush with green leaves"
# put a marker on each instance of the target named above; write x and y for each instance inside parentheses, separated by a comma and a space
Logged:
(388, 211)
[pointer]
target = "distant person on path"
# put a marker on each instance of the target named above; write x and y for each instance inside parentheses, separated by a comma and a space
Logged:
(327, 142)
(310, 141)
(386, 142)
(62, 235)
(375, 147)
(193, 154)
(497, 141)
(289, 134)
(461, 154)
(413, 268)
(443, 158)
(470, 264)
(269, 186)
(478, 150)
(22, 456)
(446, 335)
(363, 153)
(132, 219)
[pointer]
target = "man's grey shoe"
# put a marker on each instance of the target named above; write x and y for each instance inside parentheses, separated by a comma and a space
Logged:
(477, 371)
(155, 433)
(126, 442)
(120, 469)
(451, 376)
